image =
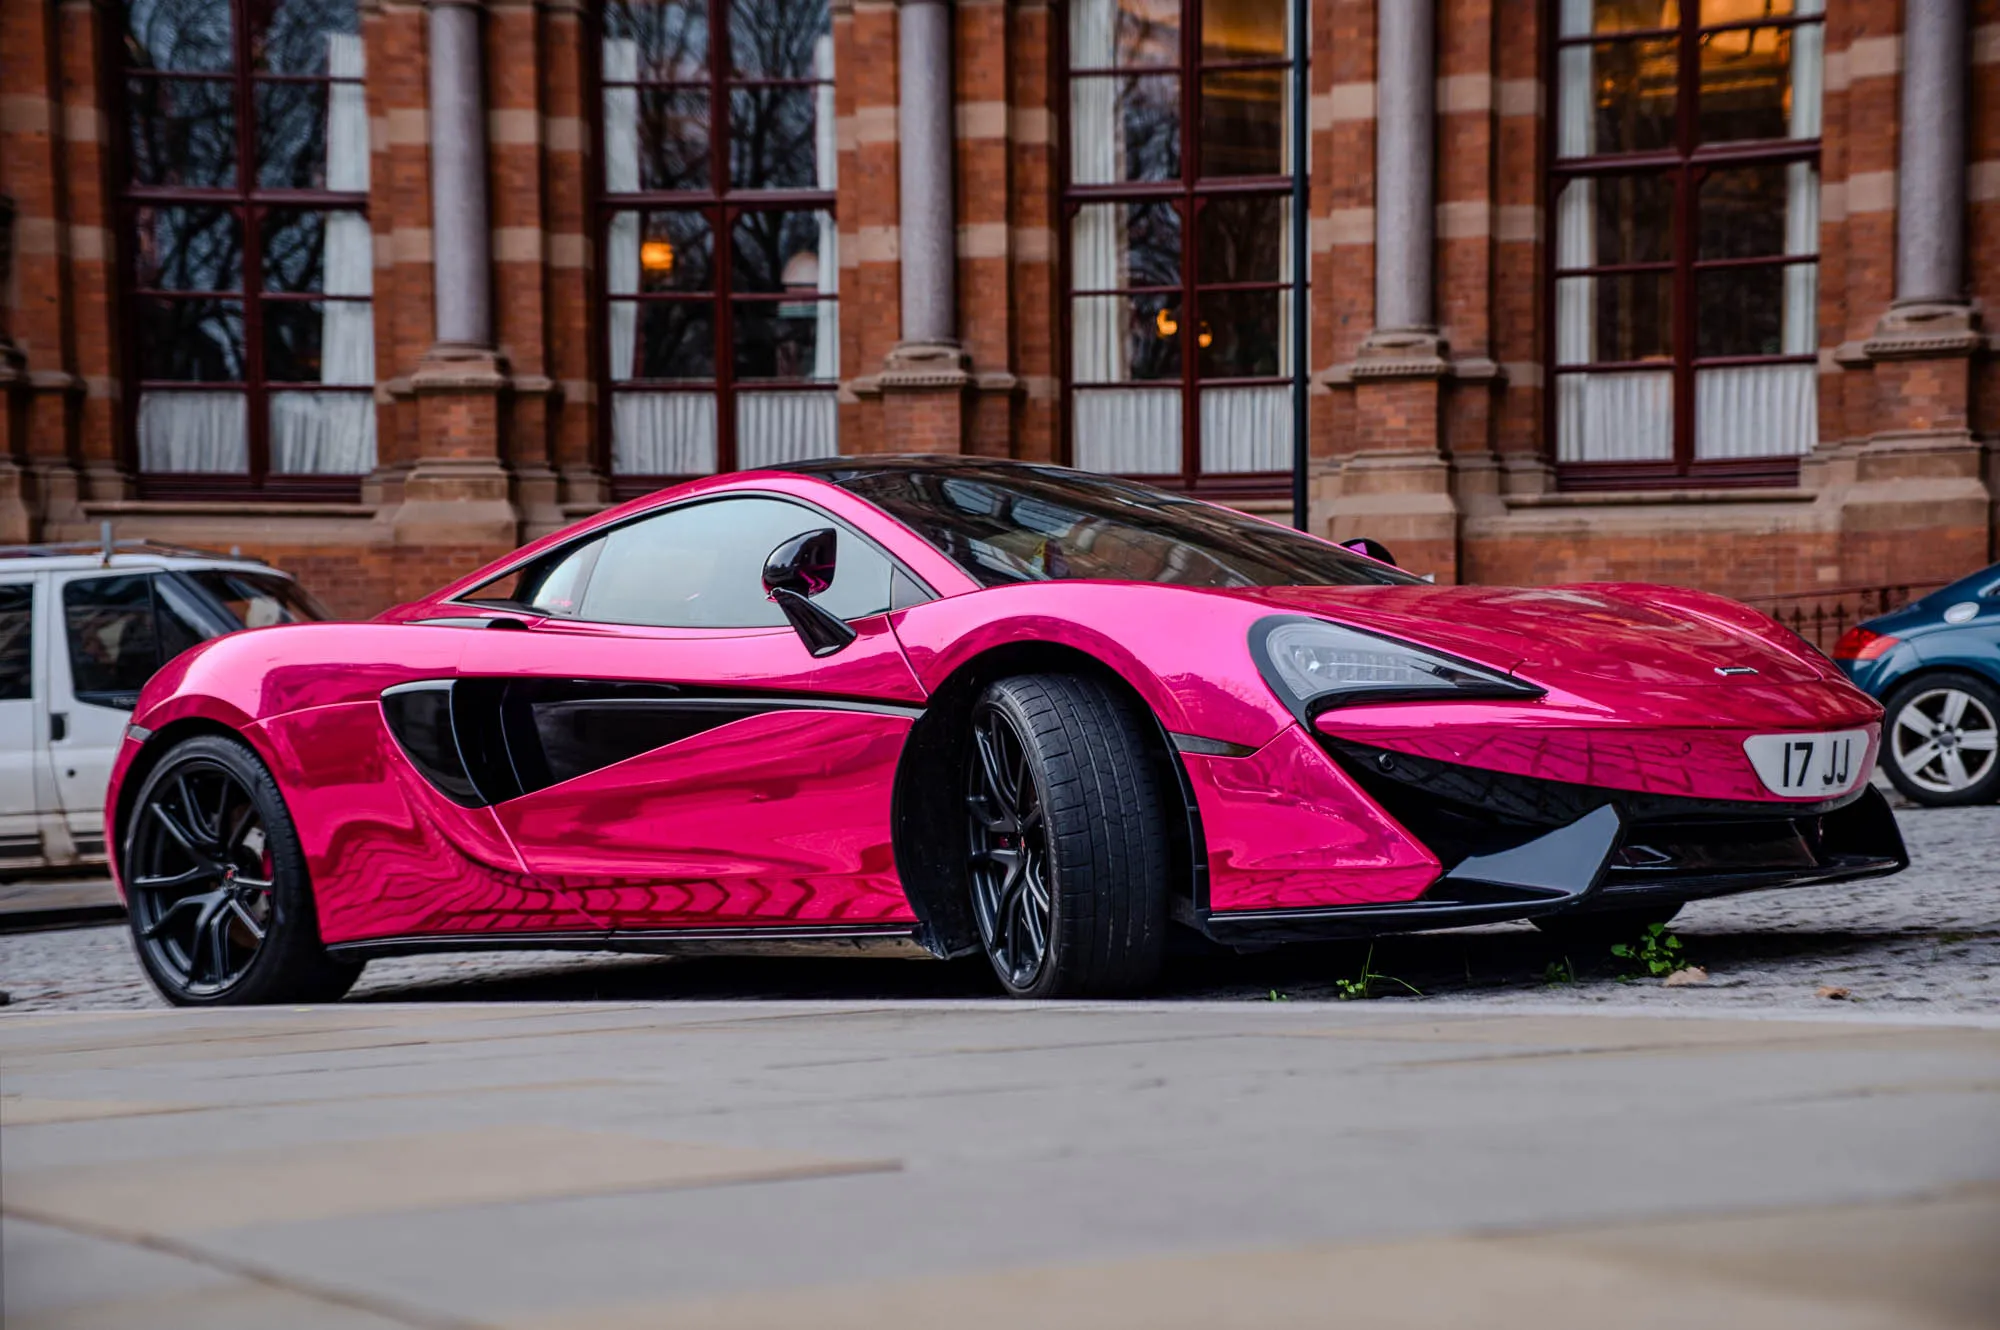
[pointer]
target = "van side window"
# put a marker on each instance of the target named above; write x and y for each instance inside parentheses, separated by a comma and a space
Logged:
(17, 641)
(113, 644)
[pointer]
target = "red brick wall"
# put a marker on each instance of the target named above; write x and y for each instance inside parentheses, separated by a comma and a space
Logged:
(1901, 489)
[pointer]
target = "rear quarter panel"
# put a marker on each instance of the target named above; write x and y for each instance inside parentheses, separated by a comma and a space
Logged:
(385, 852)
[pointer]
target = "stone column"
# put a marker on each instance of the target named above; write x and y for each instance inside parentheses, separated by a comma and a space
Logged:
(1405, 165)
(923, 171)
(1930, 186)
(460, 230)
(458, 491)
(925, 380)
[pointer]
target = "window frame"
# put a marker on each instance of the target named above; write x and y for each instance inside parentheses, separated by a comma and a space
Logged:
(1685, 165)
(1187, 193)
(721, 204)
(250, 203)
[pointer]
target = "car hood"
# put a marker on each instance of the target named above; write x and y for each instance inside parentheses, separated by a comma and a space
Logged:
(1629, 635)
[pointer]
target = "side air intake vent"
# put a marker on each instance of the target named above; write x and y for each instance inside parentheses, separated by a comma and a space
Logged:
(419, 715)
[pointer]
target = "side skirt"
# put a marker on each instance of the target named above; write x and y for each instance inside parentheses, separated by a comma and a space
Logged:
(874, 940)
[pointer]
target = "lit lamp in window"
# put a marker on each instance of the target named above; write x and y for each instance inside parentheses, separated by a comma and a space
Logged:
(657, 257)
(800, 278)
(1166, 324)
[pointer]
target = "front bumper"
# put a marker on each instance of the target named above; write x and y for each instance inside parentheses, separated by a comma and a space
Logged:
(1517, 847)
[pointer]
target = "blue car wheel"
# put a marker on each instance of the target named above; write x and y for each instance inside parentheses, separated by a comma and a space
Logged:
(1941, 739)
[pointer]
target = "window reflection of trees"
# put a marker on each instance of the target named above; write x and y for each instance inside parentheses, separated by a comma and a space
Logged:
(688, 128)
(243, 384)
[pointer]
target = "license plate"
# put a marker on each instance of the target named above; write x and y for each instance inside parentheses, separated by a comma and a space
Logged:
(1817, 766)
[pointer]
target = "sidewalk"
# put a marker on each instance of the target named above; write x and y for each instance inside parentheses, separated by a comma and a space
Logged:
(989, 1165)
(61, 902)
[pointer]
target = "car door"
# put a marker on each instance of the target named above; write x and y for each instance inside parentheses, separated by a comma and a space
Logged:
(114, 632)
(27, 793)
(683, 760)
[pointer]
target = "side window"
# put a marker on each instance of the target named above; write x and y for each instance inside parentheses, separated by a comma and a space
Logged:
(701, 566)
(556, 590)
(550, 584)
(113, 647)
(17, 641)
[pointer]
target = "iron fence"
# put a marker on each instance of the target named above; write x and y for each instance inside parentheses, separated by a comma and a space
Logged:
(1820, 617)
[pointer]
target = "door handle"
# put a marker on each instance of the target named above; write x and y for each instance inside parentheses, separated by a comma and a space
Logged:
(58, 726)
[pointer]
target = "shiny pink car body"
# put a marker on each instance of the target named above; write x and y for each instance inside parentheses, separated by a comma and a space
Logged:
(790, 819)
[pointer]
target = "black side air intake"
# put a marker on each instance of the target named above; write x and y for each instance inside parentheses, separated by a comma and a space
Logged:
(419, 715)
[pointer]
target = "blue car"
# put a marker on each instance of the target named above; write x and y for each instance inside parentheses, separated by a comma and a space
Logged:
(1935, 666)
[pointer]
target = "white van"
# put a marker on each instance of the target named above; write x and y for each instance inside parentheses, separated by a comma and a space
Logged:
(82, 627)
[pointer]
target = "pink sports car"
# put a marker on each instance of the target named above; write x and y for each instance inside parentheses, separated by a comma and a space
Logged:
(948, 705)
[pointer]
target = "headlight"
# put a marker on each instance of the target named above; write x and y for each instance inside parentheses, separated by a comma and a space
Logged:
(1312, 665)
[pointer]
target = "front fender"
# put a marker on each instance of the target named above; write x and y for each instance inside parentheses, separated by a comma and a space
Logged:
(1185, 652)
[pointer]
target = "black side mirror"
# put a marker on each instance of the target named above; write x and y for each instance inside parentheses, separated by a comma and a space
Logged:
(1374, 549)
(795, 572)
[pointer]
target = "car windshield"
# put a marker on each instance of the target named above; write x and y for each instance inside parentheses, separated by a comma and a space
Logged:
(258, 600)
(1036, 524)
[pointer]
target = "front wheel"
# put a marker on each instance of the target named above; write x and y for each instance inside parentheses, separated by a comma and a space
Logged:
(1067, 838)
(221, 911)
(1941, 740)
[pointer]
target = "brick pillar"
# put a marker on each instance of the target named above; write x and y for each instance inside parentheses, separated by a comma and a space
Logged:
(457, 491)
(1519, 167)
(1034, 244)
(15, 521)
(524, 252)
(566, 167)
(44, 392)
(864, 42)
(982, 53)
(23, 147)
(86, 28)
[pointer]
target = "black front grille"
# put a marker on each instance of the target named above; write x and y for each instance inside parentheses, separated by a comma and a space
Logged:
(1672, 844)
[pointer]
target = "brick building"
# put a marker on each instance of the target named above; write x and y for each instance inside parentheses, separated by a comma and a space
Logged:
(1636, 288)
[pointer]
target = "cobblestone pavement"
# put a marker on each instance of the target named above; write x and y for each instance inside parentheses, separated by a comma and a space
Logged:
(1928, 939)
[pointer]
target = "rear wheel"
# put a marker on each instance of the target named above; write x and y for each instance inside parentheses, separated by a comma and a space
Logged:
(1066, 837)
(221, 911)
(1606, 928)
(1941, 740)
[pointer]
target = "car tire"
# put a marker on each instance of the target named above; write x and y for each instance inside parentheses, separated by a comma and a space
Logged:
(1964, 711)
(221, 908)
(1605, 928)
(1067, 855)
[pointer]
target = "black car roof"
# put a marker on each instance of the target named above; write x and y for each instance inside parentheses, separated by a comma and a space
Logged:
(831, 468)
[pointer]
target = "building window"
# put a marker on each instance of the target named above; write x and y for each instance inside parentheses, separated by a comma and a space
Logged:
(1177, 214)
(250, 341)
(721, 326)
(1685, 209)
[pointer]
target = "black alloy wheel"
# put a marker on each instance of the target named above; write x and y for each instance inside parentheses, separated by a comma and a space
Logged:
(1067, 861)
(219, 908)
(1010, 850)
